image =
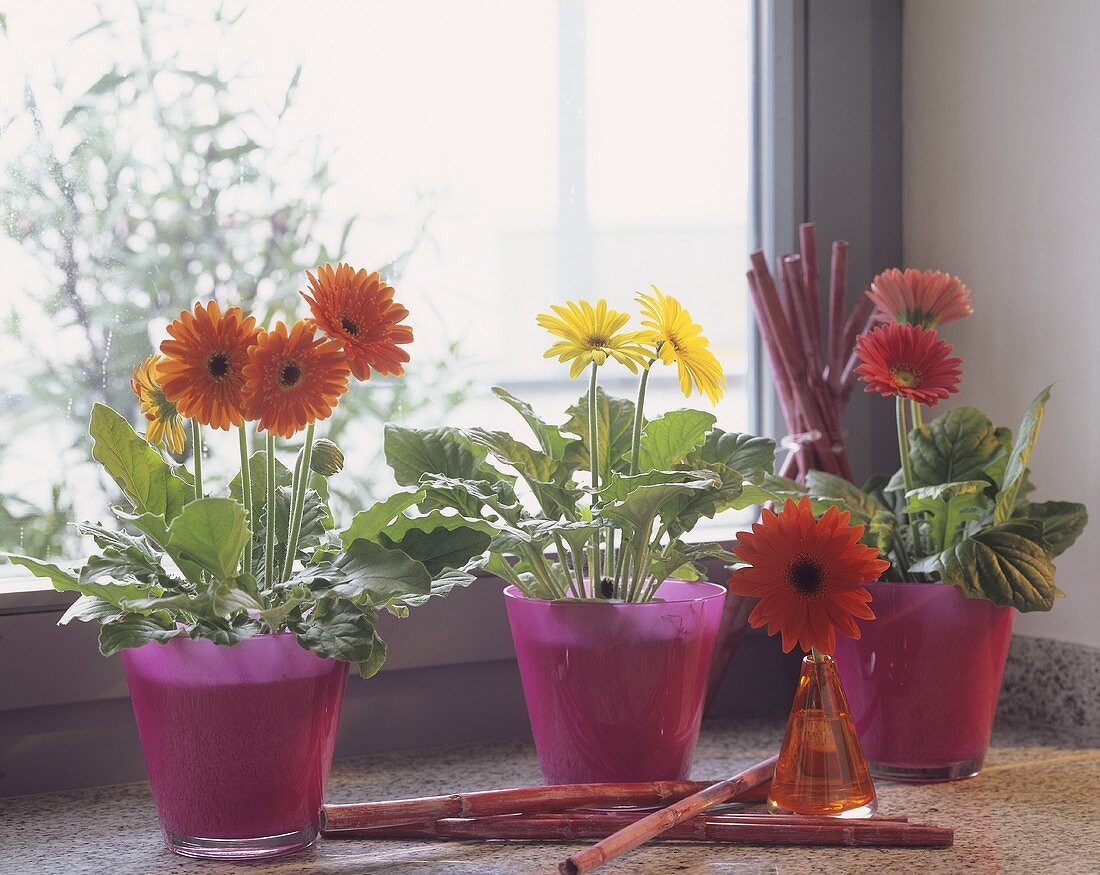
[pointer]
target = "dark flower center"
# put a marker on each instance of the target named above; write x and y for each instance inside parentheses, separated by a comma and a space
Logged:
(290, 374)
(597, 341)
(349, 325)
(806, 575)
(218, 365)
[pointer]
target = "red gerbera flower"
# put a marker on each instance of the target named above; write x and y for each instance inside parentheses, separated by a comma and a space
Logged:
(358, 309)
(909, 361)
(808, 575)
(927, 298)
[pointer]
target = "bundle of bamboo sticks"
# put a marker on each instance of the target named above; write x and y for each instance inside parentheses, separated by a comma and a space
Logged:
(813, 379)
(687, 811)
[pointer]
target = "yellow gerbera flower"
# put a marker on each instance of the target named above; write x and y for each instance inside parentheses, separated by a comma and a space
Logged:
(165, 424)
(590, 334)
(678, 339)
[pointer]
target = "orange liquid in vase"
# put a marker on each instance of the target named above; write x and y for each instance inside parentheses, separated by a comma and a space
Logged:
(821, 769)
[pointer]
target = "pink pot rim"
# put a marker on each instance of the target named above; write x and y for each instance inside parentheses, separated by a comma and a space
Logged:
(262, 636)
(716, 590)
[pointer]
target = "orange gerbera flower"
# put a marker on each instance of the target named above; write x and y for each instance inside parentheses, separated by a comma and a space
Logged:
(808, 575)
(294, 378)
(909, 361)
(927, 298)
(203, 368)
(358, 309)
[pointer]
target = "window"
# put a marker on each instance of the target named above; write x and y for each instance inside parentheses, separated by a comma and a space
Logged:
(493, 156)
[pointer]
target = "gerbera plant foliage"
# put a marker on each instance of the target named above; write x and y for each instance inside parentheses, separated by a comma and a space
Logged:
(261, 553)
(597, 506)
(958, 510)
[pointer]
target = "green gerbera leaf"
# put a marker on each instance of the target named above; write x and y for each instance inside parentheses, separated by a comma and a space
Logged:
(1063, 522)
(666, 440)
(370, 523)
(945, 511)
(1016, 469)
(614, 426)
(138, 469)
(438, 540)
(136, 630)
(749, 454)
(338, 628)
(1009, 564)
(846, 495)
(211, 532)
(108, 590)
(553, 443)
(959, 445)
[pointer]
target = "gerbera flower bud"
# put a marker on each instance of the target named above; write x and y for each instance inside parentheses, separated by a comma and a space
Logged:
(928, 298)
(909, 361)
(327, 459)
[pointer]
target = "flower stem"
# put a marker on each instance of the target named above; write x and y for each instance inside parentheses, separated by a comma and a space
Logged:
(817, 655)
(918, 416)
(903, 445)
(594, 460)
(196, 442)
(906, 470)
(246, 488)
(298, 507)
(269, 491)
(636, 435)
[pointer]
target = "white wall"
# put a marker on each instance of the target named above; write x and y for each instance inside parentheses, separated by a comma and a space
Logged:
(1002, 187)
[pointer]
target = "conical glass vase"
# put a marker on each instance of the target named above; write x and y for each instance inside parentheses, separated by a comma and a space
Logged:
(821, 769)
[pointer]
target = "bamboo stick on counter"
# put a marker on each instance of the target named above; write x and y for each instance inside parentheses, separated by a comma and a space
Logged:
(520, 800)
(490, 827)
(653, 825)
(762, 830)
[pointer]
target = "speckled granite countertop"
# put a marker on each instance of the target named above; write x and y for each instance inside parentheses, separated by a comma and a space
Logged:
(1034, 808)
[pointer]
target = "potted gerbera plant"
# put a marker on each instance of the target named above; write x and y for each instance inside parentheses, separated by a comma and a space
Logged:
(967, 547)
(613, 625)
(238, 608)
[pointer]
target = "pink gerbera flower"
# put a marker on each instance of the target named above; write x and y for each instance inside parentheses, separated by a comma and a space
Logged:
(929, 298)
(908, 360)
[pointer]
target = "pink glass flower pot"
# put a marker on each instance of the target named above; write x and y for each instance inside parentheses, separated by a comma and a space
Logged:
(923, 680)
(237, 740)
(615, 691)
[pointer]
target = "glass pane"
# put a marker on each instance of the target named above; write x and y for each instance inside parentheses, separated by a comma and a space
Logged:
(492, 158)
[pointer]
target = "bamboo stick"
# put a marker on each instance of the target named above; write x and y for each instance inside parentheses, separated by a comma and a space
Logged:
(861, 316)
(799, 315)
(838, 296)
(519, 800)
(609, 821)
(629, 837)
(807, 238)
(765, 831)
(779, 369)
